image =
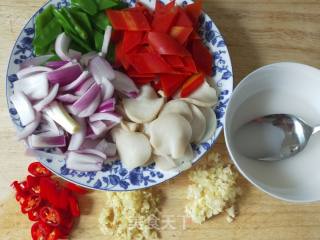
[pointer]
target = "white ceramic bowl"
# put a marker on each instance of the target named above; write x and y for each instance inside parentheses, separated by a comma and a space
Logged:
(279, 88)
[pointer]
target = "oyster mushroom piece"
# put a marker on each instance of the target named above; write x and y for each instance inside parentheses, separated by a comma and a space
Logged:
(145, 107)
(177, 106)
(134, 148)
(198, 124)
(211, 125)
(166, 163)
(204, 96)
(170, 134)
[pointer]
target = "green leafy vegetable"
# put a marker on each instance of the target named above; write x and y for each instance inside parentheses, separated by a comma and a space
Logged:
(100, 21)
(88, 6)
(98, 40)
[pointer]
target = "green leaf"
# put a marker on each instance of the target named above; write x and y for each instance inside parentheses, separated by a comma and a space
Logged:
(88, 6)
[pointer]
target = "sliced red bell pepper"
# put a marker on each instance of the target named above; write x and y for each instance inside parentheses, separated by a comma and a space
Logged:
(193, 10)
(149, 63)
(50, 216)
(142, 8)
(128, 20)
(156, 84)
(189, 64)
(166, 45)
(192, 84)
(133, 73)
(163, 20)
(202, 57)
(38, 170)
(75, 188)
(194, 35)
(181, 33)
(116, 36)
(131, 40)
(183, 19)
(121, 58)
(170, 83)
(174, 61)
(31, 202)
(142, 80)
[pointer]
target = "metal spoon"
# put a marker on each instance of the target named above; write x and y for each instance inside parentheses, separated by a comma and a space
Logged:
(274, 137)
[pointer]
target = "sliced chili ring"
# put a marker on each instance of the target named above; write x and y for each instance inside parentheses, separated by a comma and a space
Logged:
(55, 234)
(34, 215)
(74, 206)
(38, 170)
(40, 231)
(30, 203)
(50, 216)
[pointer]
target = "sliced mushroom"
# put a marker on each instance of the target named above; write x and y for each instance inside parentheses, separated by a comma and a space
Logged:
(204, 96)
(166, 163)
(177, 106)
(211, 123)
(145, 107)
(198, 124)
(129, 126)
(134, 148)
(170, 134)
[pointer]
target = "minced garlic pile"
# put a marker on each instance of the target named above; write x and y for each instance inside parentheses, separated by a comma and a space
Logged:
(213, 191)
(130, 215)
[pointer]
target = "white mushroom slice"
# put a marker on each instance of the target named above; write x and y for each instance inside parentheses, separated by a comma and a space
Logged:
(179, 107)
(170, 134)
(166, 163)
(211, 123)
(134, 148)
(198, 124)
(204, 96)
(144, 108)
(129, 126)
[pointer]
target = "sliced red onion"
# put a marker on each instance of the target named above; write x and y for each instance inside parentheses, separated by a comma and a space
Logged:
(30, 128)
(81, 89)
(93, 151)
(65, 75)
(35, 86)
(56, 64)
(106, 40)
(44, 141)
(78, 138)
(125, 85)
(69, 64)
(101, 70)
(73, 54)
(106, 147)
(50, 125)
(36, 61)
(107, 89)
(89, 143)
(108, 105)
(86, 58)
(92, 107)
(62, 47)
(83, 162)
(69, 109)
(67, 98)
(24, 108)
(87, 99)
(83, 77)
(47, 100)
(32, 70)
(58, 113)
(113, 117)
(98, 127)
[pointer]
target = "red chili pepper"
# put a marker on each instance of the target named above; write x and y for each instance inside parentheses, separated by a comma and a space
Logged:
(66, 225)
(62, 202)
(38, 170)
(74, 206)
(30, 203)
(20, 186)
(33, 215)
(50, 216)
(33, 184)
(55, 234)
(39, 233)
(75, 188)
(21, 197)
(192, 84)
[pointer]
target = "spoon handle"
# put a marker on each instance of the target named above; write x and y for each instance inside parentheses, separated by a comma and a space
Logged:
(315, 130)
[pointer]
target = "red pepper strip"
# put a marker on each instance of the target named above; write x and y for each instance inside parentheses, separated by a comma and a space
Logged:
(166, 45)
(38, 170)
(40, 231)
(74, 206)
(142, 8)
(193, 10)
(116, 36)
(192, 84)
(149, 63)
(171, 83)
(174, 61)
(156, 85)
(194, 35)
(162, 21)
(30, 203)
(180, 33)
(121, 58)
(202, 57)
(128, 20)
(50, 216)
(131, 40)
(142, 80)
(189, 64)
(133, 73)
(55, 234)
(33, 215)
(183, 19)
(75, 188)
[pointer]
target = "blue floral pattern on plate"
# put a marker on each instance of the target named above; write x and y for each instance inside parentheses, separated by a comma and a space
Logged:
(114, 176)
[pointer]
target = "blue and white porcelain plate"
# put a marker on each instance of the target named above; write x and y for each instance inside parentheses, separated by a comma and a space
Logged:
(114, 176)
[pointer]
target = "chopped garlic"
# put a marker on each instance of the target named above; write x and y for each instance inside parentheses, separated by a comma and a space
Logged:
(130, 215)
(213, 190)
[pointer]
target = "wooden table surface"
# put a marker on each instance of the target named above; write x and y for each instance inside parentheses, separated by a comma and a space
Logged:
(257, 32)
